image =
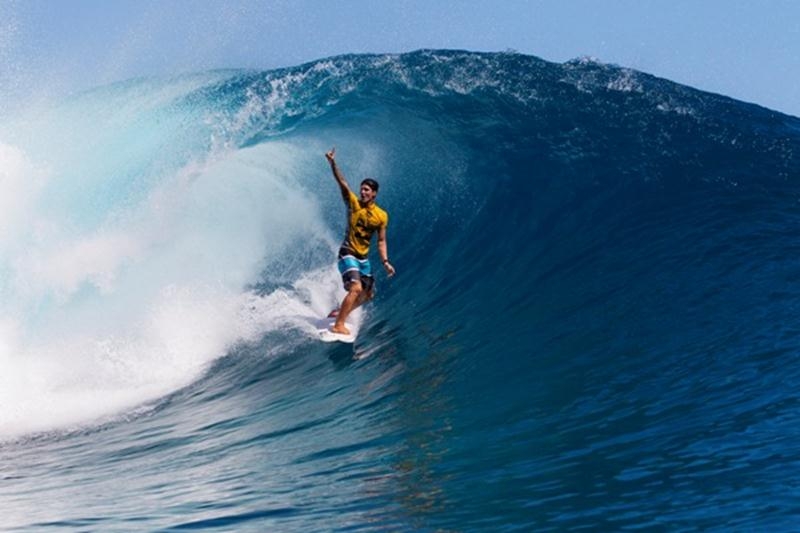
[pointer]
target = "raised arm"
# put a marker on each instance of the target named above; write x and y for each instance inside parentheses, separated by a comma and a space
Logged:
(330, 156)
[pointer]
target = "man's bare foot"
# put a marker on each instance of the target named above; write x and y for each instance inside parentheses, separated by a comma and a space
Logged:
(341, 330)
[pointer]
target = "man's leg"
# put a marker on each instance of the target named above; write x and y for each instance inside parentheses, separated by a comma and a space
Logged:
(367, 292)
(350, 302)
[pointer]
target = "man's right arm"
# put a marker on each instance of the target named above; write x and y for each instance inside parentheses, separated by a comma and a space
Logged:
(345, 189)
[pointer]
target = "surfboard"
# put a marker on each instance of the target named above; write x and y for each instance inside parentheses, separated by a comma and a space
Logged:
(326, 335)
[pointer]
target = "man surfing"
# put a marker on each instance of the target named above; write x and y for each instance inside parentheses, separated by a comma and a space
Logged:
(364, 218)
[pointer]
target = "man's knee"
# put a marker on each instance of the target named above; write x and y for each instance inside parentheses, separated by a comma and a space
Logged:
(355, 288)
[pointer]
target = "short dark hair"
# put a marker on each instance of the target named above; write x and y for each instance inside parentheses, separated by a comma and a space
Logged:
(371, 183)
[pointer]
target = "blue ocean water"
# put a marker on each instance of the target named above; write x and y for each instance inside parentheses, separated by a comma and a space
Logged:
(592, 326)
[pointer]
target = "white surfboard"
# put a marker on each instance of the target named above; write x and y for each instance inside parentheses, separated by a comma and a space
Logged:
(326, 335)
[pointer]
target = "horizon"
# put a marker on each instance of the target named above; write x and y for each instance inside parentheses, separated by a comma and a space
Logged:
(732, 48)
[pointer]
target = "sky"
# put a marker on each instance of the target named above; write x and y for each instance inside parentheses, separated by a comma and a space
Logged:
(746, 49)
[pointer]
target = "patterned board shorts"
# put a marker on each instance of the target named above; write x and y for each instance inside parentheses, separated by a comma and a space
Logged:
(354, 269)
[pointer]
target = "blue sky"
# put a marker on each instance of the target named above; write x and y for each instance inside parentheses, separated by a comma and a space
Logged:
(749, 50)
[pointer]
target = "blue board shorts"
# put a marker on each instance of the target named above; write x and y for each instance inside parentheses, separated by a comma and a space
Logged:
(353, 268)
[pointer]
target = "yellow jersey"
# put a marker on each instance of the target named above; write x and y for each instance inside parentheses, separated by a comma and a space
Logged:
(362, 223)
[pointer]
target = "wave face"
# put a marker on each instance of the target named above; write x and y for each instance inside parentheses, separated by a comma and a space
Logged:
(592, 325)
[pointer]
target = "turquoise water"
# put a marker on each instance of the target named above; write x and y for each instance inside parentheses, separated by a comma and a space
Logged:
(592, 325)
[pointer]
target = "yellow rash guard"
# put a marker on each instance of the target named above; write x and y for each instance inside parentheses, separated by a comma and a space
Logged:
(362, 223)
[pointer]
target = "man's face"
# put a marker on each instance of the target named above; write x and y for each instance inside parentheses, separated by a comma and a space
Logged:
(367, 194)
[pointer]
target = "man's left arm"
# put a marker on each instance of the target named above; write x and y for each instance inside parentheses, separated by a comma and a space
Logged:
(382, 249)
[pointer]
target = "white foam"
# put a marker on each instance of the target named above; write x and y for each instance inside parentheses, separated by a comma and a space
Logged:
(20, 185)
(96, 321)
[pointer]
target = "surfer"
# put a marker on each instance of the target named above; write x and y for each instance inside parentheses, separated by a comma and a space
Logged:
(364, 218)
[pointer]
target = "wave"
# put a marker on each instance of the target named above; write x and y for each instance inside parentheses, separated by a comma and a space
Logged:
(591, 260)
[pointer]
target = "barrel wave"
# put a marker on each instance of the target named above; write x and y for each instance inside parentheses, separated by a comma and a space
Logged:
(592, 325)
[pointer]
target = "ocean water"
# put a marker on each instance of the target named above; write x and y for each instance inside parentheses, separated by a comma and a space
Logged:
(593, 325)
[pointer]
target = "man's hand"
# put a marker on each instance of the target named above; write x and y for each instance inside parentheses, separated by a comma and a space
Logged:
(389, 268)
(329, 156)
